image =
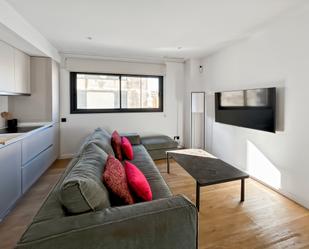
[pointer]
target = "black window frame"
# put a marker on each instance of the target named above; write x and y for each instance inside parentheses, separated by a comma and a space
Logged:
(73, 95)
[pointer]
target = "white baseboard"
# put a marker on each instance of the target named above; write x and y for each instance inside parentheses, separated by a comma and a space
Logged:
(286, 194)
(66, 156)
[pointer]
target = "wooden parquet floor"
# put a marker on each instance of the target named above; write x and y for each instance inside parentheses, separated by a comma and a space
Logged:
(265, 220)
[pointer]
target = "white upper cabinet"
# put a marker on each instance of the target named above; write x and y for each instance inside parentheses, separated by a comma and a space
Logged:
(14, 70)
(22, 72)
(7, 83)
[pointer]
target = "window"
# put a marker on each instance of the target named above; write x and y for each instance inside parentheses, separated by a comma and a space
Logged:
(95, 93)
(245, 98)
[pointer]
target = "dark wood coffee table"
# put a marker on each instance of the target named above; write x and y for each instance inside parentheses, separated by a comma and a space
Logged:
(206, 169)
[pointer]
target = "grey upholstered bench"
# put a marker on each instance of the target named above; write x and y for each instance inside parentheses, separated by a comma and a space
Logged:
(157, 145)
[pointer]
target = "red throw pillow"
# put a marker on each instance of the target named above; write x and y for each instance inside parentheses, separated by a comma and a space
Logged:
(137, 182)
(127, 149)
(114, 177)
(116, 144)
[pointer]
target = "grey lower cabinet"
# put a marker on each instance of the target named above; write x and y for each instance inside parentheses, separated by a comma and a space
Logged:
(33, 145)
(35, 168)
(22, 163)
(37, 156)
(10, 176)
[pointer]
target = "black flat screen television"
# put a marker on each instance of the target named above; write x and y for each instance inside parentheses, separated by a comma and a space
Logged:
(251, 108)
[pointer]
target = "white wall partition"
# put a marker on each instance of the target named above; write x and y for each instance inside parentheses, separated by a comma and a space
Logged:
(198, 120)
(3, 108)
(276, 56)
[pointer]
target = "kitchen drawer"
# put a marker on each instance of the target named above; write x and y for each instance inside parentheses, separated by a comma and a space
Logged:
(10, 176)
(36, 167)
(36, 143)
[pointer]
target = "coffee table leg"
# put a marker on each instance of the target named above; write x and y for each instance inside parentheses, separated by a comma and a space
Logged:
(242, 194)
(167, 163)
(197, 196)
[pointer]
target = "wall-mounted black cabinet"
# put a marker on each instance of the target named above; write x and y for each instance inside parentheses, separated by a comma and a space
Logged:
(252, 108)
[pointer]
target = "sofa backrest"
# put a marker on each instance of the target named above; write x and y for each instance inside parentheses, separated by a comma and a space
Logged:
(101, 137)
(52, 206)
(82, 189)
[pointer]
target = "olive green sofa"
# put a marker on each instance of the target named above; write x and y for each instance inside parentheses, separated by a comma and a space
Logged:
(158, 145)
(167, 222)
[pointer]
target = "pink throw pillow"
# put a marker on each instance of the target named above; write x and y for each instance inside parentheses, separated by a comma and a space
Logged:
(137, 182)
(116, 144)
(127, 149)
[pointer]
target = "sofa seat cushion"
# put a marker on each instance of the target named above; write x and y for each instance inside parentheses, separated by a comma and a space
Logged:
(143, 161)
(82, 189)
(160, 154)
(157, 142)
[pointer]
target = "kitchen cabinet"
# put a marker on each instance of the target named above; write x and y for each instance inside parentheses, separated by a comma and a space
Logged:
(22, 162)
(43, 104)
(14, 71)
(7, 84)
(22, 72)
(10, 176)
(36, 143)
(37, 155)
(35, 168)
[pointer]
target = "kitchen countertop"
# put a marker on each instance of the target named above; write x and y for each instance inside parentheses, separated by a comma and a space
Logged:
(8, 138)
(4, 138)
(19, 129)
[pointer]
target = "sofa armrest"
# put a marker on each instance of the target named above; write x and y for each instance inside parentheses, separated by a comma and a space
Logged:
(165, 223)
(134, 138)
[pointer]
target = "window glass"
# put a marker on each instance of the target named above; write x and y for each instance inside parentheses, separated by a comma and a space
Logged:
(235, 98)
(139, 92)
(97, 91)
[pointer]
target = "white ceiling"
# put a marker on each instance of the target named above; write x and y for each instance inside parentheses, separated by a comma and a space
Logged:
(147, 28)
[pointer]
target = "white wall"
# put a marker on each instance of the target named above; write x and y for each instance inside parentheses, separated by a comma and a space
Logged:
(3, 108)
(276, 56)
(193, 83)
(78, 126)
